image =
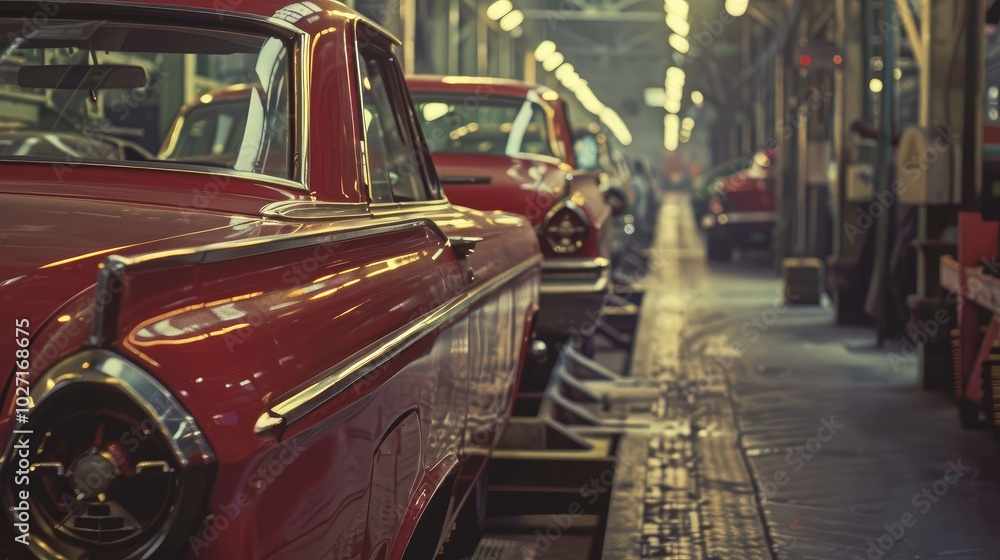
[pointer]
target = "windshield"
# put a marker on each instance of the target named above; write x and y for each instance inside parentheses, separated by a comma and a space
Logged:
(98, 91)
(496, 126)
(592, 151)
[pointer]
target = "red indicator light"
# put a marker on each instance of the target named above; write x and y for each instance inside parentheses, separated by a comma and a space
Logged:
(805, 60)
(837, 59)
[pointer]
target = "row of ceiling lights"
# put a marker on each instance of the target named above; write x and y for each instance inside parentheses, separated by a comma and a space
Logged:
(678, 12)
(509, 19)
(503, 12)
(677, 19)
(677, 22)
(675, 130)
(553, 61)
(737, 8)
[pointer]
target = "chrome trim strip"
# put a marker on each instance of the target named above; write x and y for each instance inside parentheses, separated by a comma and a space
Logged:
(301, 95)
(111, 279)
(571, 265)
(336, 379)
(381, 209)
(586, 285)
(746, 217)
(361, 153)
(312, 210)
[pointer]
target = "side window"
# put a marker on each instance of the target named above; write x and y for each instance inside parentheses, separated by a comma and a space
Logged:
(529, 131)
(393, 164)
(587, 153)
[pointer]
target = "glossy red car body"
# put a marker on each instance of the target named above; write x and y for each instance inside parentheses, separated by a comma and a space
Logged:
(574, 284)
(325, 369)
(742, 212)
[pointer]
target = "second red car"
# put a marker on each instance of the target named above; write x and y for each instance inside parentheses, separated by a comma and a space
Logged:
(507, 145)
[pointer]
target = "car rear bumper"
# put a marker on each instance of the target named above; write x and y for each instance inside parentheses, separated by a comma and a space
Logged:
(572, 294)
(743, 228)
(714, 221)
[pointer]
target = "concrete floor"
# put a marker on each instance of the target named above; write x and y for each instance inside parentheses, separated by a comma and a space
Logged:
(848, 458)
(772, 433)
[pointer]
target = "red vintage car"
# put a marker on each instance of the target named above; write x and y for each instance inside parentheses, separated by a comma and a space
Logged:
(279, 342)
(507, 145)
(594, 151)
(741, 210)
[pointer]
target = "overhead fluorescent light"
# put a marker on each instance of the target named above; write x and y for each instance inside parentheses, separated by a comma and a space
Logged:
(499, 9)
(544, 50)
(510, 21)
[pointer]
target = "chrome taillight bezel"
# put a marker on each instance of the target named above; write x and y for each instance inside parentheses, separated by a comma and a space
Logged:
(548, 236)
(94, 371)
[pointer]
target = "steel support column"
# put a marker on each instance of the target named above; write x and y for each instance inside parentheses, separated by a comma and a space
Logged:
(783, 184)
(408, 15)
(850, 100)
(943, 88)
(506, 56)
(433, 43)
(482, 43)
(884, 168)
(454, 36)
(530, 67)
(790, 137)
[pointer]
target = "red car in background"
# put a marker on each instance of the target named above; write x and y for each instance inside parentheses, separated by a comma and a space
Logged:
(271, 340)
(507, 145)
(742, 209)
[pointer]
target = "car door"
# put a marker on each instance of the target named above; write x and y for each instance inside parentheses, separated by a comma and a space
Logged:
(399, 184)
(487, 342)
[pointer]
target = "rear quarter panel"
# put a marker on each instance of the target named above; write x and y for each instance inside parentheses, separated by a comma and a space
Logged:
(232, 338)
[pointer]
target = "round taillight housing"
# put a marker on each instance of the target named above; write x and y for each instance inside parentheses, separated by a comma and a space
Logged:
(566, 228)
(115, 468)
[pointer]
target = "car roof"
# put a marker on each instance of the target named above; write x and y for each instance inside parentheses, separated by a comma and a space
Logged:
(266, 8)
(307, 15)
(466, 84)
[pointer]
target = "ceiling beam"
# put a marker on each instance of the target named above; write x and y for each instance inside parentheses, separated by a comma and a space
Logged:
(824, 17)
(912, 33)
(761, 17)
(595, 15)
(612, 53)
(621, 5)
(778, 40)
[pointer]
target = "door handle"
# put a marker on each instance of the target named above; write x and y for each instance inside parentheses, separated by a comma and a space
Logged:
(463, 246)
